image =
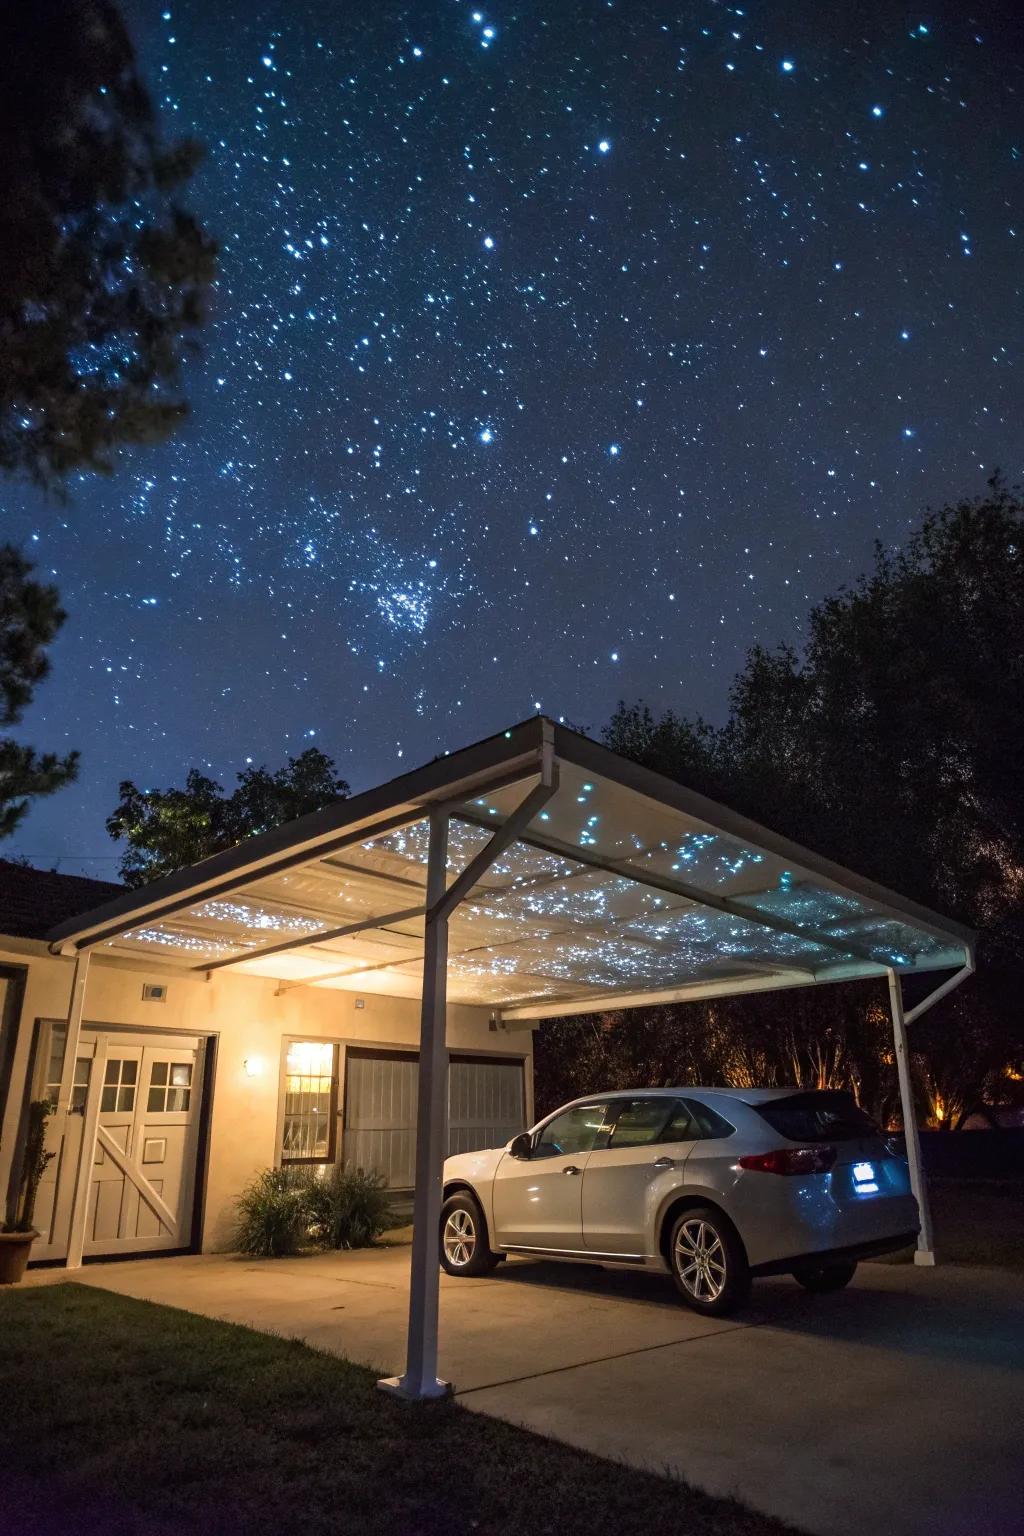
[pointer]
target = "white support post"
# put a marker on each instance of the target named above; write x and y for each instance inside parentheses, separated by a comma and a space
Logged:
(87, 1149)
(73, 1030)
(925, 1253)
(420, 1380)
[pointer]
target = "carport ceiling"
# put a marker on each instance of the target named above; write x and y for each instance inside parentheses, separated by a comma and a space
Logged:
(623, 888)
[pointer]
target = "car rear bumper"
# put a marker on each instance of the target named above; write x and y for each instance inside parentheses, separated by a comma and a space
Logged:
(867, 1250)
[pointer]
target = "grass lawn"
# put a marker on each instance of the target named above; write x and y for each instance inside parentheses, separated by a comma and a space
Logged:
(131, 1419)
(979, 1221)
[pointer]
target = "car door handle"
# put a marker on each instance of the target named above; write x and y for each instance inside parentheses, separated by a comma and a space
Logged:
(571, 1169)
(664, 1162)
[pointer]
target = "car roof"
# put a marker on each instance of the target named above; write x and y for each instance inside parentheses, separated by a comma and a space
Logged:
(744, 1095)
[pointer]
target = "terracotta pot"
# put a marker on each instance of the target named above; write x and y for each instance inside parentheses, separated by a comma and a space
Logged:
(14, 1250)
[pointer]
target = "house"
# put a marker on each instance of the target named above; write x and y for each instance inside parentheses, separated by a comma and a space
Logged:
(210, 1076)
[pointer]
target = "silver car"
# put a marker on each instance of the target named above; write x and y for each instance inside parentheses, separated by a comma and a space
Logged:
(713, 1185)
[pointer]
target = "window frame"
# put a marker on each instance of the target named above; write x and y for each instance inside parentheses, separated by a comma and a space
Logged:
(618, 1108)
(334, 1109)
(672, 1107)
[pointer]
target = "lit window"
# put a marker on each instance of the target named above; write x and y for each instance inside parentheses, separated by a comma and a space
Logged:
(310, 1102)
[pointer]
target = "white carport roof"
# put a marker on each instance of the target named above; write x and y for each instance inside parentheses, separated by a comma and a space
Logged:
(618, 887)
(535, 873)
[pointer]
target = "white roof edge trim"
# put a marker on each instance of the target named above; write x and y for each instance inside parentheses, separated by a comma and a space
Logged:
(774, 981)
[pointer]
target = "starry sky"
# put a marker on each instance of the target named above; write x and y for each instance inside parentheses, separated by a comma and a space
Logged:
(560, 351)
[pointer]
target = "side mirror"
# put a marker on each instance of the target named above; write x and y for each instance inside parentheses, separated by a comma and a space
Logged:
(520, 1146)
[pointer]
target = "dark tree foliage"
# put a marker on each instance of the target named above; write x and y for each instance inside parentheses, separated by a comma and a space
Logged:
(769, 1041)
(894, 745)
(895, 742)
(103, 275)
(30, 616)
(166, 829)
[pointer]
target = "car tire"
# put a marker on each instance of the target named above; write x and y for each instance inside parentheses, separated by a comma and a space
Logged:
(708, 1261)
(819, 1279)
(464, 1245)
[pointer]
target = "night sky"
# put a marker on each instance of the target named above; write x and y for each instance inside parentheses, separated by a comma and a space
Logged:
(560, 352)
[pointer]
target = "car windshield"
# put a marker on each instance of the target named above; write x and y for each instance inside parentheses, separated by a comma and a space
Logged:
(820, 1116)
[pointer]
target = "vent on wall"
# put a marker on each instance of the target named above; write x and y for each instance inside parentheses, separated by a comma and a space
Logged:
(154, 992)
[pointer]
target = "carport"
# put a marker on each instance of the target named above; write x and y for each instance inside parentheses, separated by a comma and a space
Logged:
(540, 875)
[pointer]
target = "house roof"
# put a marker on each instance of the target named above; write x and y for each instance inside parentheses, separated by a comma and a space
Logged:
(602, 884)
(32, 901)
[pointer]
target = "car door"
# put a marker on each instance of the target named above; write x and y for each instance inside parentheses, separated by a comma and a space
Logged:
(537, 1199)
(641, 1156)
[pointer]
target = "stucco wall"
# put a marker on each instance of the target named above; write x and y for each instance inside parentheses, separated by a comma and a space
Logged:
(249, 1022)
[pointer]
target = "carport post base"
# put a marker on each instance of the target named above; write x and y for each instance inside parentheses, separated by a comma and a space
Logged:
(413, 1392)
(925, 1256)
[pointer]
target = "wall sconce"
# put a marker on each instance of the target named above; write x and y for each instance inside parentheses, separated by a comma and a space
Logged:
(253, 1066)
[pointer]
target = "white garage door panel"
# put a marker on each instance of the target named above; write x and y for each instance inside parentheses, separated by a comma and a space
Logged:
(485, 1104)
(485, 1108)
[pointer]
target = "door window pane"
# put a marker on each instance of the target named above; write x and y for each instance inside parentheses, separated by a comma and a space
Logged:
(55, 1070)
(575, 1131)
(83, 1069)
(173, 1096)
(310, 1102)
(118, 1094)
(681, 1126)
(55, 1065)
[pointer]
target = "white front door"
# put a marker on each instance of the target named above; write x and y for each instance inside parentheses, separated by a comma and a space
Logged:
(142, 1174)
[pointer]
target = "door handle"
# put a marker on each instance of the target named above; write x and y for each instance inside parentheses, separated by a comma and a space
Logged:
(571, 1169)
(664, 1162)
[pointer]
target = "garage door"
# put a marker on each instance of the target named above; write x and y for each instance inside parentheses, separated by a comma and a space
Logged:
(146, 1092)
(486, 1106)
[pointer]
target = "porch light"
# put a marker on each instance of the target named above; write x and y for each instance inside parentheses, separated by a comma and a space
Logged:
(253, 1066)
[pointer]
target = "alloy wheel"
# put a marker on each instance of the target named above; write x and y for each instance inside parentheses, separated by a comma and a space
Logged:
(459, 1239)
(700, 1260)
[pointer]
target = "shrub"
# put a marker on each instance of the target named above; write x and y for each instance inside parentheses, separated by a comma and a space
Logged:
(276, 1212)
(35, 1163)
(352, 1208)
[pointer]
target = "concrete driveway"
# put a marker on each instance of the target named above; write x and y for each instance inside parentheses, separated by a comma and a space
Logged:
(894, 1406)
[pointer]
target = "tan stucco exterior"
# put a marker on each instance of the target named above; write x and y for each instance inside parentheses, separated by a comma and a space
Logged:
(248, 1023)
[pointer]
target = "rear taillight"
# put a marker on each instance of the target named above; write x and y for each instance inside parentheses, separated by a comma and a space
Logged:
(791, 1160)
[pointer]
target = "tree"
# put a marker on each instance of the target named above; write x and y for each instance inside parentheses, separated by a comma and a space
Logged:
(103, 275)
(30, 617)
(166, 829)
(766, 1041)
(893, 744)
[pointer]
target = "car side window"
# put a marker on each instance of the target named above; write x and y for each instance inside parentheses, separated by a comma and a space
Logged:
(575, 1131)
(710, 1125)
(682, 1126)
(639, 1122)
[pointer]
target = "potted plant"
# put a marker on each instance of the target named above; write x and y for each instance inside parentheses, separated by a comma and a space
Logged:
(17, 1236)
